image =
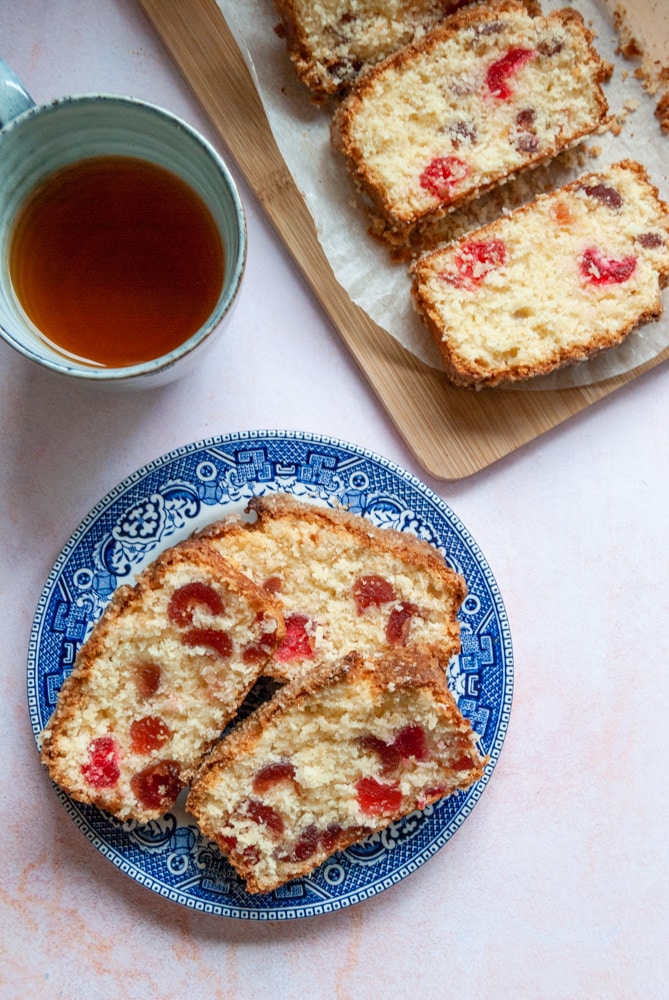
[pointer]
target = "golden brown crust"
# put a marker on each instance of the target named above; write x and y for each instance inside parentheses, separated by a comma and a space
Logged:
(403, 228)
(662, 112)
(412, 550)
(467, 375)
(300, 52)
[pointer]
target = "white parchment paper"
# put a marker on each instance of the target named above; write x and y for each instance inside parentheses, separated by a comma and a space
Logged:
(363, 266)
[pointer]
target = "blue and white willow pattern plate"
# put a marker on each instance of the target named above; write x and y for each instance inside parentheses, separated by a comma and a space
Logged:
(164, 503)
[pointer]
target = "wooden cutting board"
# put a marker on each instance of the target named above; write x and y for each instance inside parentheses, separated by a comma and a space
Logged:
(452, 432)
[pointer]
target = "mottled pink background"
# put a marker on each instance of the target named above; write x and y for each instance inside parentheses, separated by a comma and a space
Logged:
(556, 886)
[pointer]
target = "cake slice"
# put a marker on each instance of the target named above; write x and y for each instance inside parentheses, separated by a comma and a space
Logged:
(550, 284)
(492, 91)
(162, 672)
(330, 759)
(343, 583)
(331, 42)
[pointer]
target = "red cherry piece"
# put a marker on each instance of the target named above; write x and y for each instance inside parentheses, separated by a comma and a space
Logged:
(304, 847)
(297, 643)
(388, 754)
(649, 241)
(526, 140)
(372, 591)
(158, 785)
(264, 815)
(330, 837)
(525, 118)
(147, 679)
(307, 844)
(399, 623)
(474, 262)
(227, 843)
(250, 854)
(376, 798)
(499, 73)
(148, 734)
(607, 195)
(597, 269)
(255, 653)
(185, 599)
(462, 132)
(263, 647)
(213, 639)
(550, 47)
(430, 795)
(102, 769)
(272, 774)
(411, 742)
(442, 174)
(461, 763)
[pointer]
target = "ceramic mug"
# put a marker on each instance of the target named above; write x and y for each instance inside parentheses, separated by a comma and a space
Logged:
(38, 141)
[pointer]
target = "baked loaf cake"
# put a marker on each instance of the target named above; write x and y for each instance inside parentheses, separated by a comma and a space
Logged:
(332, 41)
(489, 93)
(329, 760)
(162, 672)
(551, 283)
(343, 583)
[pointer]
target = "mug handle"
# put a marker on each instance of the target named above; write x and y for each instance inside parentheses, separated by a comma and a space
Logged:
(14, 98)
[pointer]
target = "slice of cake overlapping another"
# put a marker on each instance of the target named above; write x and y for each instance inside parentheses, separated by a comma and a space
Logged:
(163, 671)
(343, 583)
(331, 42)
(492, 91)
(331, 758)
(552, 283)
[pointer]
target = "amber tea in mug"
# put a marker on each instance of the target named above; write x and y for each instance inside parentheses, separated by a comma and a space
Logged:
(116, 260)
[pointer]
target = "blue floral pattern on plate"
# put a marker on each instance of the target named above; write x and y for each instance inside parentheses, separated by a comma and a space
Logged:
(165, 502)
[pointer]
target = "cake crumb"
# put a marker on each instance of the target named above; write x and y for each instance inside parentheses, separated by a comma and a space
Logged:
(662, 112)
(651, 74)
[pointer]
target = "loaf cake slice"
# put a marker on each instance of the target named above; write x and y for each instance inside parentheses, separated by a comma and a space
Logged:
(331, 42)
(490, 92)
(343, 583)
(551, 283)
(162, 672)
(330, 759)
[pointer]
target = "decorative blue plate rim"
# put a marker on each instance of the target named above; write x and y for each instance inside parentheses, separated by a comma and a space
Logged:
(165, 501)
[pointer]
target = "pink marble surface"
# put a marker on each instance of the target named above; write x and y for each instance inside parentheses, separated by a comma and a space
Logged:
(556, 886)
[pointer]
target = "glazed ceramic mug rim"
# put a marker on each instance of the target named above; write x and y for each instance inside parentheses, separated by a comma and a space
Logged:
(230, 288)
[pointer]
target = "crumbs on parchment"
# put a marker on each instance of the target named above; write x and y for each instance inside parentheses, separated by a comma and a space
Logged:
(652, 75)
